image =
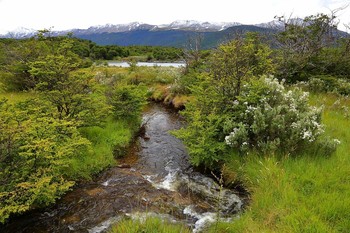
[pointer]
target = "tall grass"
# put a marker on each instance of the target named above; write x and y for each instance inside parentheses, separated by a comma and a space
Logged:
(107, 140)
(306, 193)
(149, 225)
(159, 81)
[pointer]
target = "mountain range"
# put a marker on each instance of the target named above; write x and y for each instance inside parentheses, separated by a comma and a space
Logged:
(175, 34)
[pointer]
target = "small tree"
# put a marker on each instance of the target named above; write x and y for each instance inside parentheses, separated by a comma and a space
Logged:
(127, 100)
(238, 61)
(302, 42)
(232, 66)
(192, 51)
(72, 94)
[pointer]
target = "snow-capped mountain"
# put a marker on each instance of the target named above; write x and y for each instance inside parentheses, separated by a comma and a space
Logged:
(185, 25)
(280, 24)
(20, 32)
(112, 28)
(193, 25)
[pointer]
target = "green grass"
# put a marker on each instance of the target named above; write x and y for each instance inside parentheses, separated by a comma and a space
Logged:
(107, 141)
(307, 193)
(149, 225)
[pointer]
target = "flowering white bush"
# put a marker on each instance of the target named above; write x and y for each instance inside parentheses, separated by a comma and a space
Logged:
(269, 118)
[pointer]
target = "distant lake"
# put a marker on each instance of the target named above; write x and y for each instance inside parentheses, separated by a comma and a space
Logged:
(166, 64)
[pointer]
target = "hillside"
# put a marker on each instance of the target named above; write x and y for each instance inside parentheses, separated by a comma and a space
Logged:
(175, 34)
(175, 38)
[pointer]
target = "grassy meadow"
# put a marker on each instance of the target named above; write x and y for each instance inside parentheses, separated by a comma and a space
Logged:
(308, 193)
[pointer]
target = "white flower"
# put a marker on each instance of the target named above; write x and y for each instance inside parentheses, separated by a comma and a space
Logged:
(230, 137)
(308, 135)
(336, 141)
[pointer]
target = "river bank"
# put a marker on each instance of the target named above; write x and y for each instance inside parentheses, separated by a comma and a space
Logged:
(158, 180)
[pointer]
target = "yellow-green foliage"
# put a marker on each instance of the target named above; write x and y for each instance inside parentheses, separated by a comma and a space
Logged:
(34, 149)
(146, 75)
(159, 92)
(158, 80)
(149, 225)
(14, 97)
(307, 193)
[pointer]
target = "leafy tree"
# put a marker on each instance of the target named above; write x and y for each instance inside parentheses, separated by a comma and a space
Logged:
(35, 147)
(301, 44)
(127, 100)
(16, 65)
(238, 61)
(72, 94)
(231, 66)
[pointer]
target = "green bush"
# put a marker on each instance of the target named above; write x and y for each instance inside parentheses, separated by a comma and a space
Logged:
(328, 83)
(128, 100)
(268, 118)
(35, 150)
(265, 118)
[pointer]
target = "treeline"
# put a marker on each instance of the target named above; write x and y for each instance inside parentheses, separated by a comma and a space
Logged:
(15, 55)
(89, 49)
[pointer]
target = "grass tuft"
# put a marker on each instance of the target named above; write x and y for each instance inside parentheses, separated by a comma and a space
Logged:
(149, 225)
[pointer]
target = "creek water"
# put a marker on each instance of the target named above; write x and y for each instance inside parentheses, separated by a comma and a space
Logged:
(157, 181)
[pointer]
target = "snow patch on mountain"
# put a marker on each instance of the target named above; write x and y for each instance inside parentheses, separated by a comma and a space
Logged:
(195, 25)
(20, 32)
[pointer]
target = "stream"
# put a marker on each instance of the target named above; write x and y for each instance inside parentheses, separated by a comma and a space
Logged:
(154, 179)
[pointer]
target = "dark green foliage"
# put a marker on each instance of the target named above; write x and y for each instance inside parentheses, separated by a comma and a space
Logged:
(24, 55)
(127, 100)
(203, 135)
(310, 47)
(328, 83)
(231, 67)
(73, 95)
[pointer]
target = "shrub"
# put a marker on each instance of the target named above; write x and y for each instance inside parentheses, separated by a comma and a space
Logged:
(265, 118)
(327, 83)
(35, 150)
(128, 100)
(268, 118)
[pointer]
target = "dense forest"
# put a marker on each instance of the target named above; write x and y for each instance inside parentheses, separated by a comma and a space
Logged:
(270, 120)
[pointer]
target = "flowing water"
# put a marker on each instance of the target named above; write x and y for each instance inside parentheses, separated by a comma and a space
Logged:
(154, 179)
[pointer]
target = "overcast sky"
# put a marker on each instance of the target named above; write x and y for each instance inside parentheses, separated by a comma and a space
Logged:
(68, 14)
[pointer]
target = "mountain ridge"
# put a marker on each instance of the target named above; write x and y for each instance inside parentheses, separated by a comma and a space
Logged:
(186, 25)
